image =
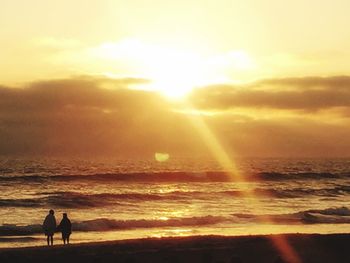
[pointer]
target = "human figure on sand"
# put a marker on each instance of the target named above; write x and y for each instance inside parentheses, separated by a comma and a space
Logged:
(65, 227)
(49, 227)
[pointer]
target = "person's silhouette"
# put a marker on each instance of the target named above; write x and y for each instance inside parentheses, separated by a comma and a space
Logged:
(49, 226)
(66, 228)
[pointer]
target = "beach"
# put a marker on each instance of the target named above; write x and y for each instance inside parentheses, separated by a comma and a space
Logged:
(260, 248)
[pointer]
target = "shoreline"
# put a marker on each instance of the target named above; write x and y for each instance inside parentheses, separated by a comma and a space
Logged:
(253, 248)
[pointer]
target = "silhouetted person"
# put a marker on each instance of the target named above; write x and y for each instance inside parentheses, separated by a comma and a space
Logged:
(49, 226)
(66, 228)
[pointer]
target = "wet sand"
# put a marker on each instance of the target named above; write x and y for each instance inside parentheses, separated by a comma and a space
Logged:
(217, 249)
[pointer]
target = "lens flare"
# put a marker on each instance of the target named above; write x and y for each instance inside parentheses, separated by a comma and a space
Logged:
(161, 157)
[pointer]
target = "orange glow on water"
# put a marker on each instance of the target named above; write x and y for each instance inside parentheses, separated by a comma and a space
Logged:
(280, 242)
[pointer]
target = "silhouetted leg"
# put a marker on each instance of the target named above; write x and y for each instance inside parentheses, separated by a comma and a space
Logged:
(48, 240)
(51, 237)
(68, 239)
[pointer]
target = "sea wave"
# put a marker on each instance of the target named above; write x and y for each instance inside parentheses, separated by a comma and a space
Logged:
(337, 215)
(209, 176)
(303, 192)
(81, 200)
(89, 200)
(104, 224)
(137, 177)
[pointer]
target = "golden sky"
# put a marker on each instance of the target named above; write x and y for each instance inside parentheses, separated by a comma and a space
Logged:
(269, 77)
(240, 40)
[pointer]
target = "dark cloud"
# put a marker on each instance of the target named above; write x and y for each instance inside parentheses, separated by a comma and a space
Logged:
(57, 94)
(310, 82)
(307, 94)
(80, 116)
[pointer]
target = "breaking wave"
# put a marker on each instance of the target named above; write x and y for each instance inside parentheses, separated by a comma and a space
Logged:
(104, 224)
(339, 215)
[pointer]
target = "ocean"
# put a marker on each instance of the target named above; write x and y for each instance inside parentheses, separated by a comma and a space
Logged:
(123, 199)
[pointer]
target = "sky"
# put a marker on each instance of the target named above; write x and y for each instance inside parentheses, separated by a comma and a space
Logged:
(268, 78)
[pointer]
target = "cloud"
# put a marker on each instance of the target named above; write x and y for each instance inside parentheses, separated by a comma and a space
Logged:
(306, 94)
(99, 116)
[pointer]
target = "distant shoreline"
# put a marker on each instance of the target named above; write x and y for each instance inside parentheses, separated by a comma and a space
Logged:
(260, 248)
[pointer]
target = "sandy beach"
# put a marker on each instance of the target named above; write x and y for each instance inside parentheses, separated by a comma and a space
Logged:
(307, 248)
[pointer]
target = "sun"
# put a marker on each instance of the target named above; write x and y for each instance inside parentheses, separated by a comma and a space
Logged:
(174, 82)
(175, 73)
